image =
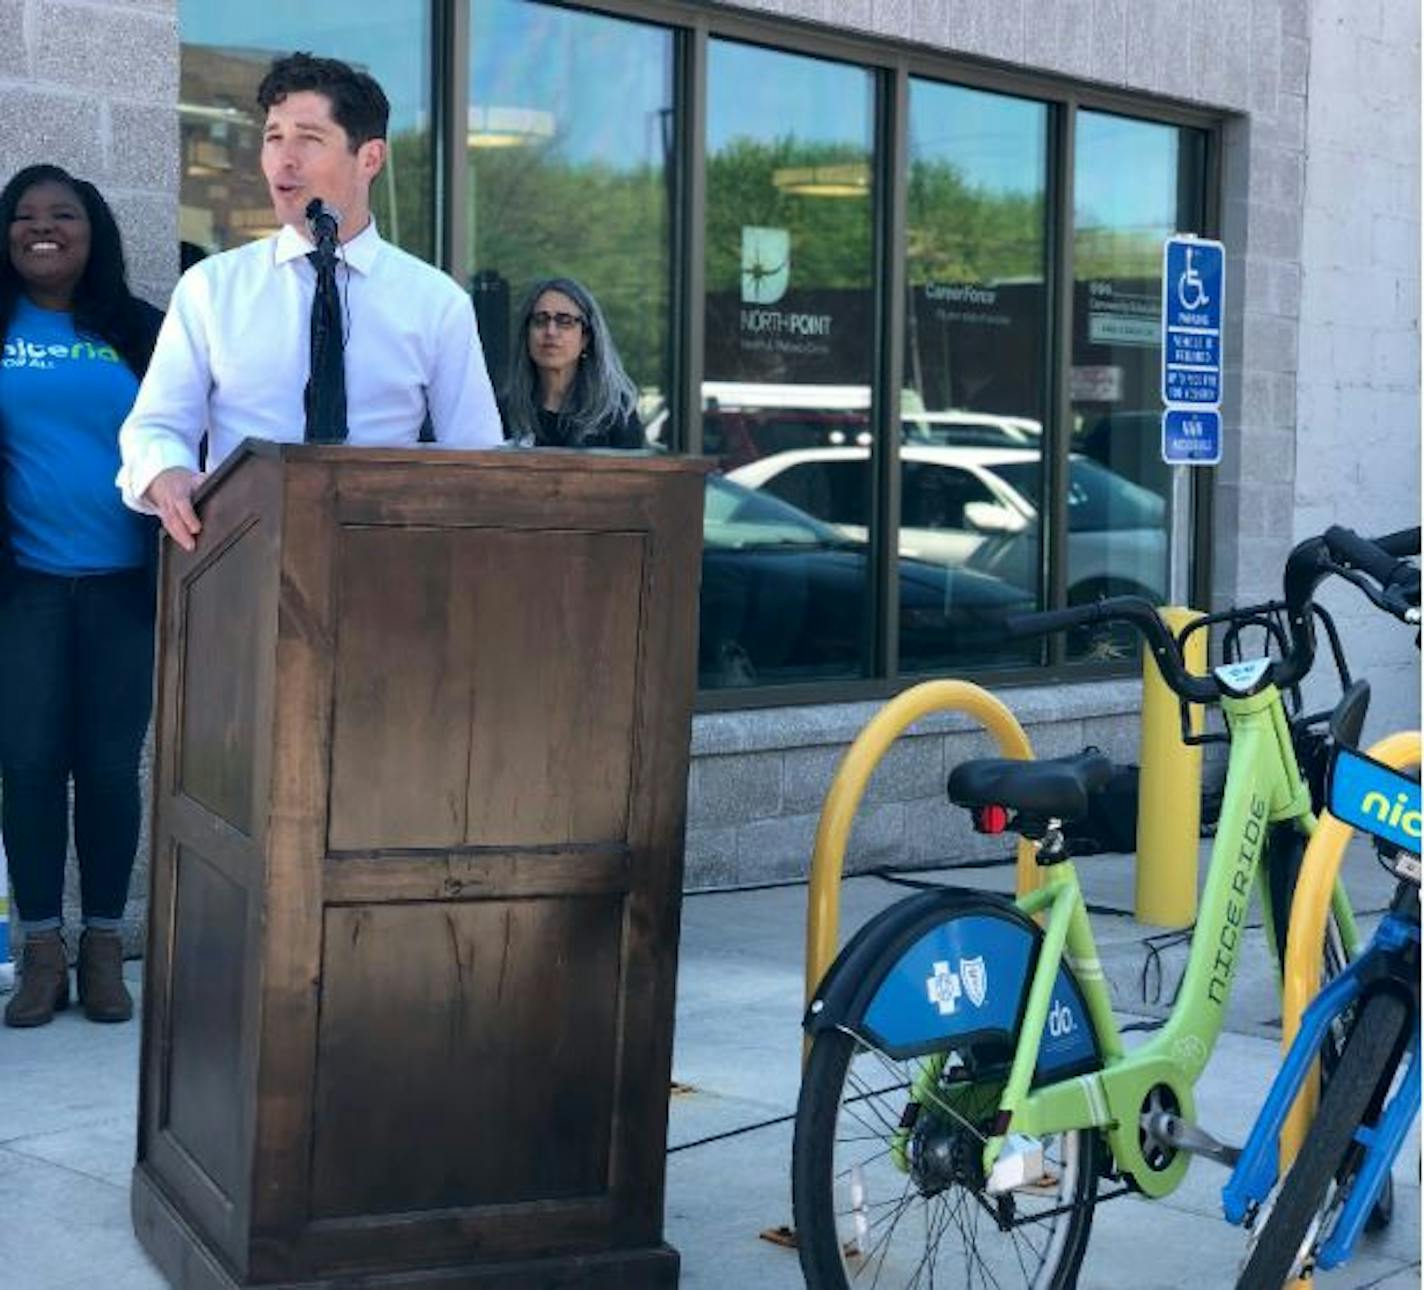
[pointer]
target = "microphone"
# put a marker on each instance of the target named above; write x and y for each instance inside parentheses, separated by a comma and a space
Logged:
(323, 220)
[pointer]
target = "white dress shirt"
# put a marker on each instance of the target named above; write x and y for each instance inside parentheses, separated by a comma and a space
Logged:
(234, 352)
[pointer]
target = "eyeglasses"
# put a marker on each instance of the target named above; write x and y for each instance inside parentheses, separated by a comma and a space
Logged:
(564, 322)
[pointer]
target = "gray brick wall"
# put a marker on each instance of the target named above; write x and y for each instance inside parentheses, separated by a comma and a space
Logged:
(93, 87)
(1357, 454)
(759, 780)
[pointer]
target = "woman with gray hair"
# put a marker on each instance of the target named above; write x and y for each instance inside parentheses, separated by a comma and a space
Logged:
(567, 387)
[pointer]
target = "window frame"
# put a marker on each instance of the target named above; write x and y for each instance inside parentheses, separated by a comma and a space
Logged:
(893, 62)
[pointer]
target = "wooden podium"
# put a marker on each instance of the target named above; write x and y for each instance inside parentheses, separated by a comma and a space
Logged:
(423, 726)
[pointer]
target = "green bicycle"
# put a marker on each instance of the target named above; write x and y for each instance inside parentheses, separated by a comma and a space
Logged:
(968, 1087)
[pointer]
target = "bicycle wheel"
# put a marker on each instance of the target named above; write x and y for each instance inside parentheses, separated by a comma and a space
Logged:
(1285, 852)
(865, 1218)
(1319, 1181)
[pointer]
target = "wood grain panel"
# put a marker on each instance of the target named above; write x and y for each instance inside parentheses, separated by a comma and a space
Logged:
(408, 1015)
(555, 674)
(465, 1054)
(301, 697)
(526, 490)
(387, 876)
(401, 730)
(221, 670)
(205, 1040)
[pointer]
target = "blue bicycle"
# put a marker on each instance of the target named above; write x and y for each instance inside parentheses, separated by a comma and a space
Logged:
(1313, 1217)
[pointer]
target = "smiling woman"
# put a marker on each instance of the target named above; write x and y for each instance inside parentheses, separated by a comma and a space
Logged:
(49, 242)
(76, 596)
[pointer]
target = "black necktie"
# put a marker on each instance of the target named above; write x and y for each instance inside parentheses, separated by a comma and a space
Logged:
(325, 396)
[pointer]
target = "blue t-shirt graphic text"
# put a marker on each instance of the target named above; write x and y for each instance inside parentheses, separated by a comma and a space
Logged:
(63, 397)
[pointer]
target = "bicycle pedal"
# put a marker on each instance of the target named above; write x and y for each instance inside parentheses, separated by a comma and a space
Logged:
(1177, 1134)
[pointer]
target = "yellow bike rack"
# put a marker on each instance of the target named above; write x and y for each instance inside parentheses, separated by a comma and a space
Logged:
(1301, 977)
(848, 787)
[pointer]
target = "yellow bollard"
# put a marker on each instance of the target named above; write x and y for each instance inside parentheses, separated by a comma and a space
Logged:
(1168, 791)
(848, 786)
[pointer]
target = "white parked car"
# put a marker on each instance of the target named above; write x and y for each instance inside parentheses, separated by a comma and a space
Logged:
(977, 508)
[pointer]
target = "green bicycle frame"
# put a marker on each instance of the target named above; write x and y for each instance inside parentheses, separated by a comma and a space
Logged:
(1264, 787)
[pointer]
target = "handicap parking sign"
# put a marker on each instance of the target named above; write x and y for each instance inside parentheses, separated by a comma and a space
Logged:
(1193, 286)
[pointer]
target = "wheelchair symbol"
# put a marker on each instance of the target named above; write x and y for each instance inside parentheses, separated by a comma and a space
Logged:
(1190, 291)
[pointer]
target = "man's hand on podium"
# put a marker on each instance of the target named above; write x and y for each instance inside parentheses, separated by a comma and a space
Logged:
(171, 496)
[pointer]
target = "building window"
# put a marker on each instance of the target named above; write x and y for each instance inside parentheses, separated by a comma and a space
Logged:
(225, 52)
(862, 527)
(790, 352)
(1134, 184)
(974, 398)
(571, 136)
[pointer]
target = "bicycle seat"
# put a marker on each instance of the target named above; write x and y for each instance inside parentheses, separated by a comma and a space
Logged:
(1057, 787)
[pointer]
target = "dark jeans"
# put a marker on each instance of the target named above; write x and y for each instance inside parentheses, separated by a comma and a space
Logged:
(76, 690)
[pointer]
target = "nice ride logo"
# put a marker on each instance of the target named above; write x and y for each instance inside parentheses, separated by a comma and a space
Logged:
(1371, 796)
(40, 356)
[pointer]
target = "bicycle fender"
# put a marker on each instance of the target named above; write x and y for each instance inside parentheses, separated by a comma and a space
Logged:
(951, 968)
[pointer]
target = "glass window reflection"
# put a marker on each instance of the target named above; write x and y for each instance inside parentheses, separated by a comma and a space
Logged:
(972, 404)
(788, 367)
(225, 52)
(570, 134)
(1135, 183)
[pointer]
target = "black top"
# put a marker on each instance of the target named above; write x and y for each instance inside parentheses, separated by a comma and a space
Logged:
(148, 320)
(555, 430)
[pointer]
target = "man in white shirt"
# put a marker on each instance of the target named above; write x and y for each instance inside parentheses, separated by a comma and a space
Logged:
(233, 355)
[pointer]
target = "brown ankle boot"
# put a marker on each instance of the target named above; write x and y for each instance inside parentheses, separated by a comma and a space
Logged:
(101, 977)
(44, 981)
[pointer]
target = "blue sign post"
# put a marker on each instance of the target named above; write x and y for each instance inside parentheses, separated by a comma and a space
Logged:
(1193, 296)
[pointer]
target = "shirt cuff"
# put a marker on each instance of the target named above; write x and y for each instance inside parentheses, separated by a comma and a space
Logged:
(133, 479)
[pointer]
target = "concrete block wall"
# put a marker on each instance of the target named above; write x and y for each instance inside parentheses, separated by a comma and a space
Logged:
(759, 779)
(1358, 447)
(93, 87)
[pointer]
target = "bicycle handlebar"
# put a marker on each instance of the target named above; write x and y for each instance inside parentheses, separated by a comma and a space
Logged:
(1371, 564)
(1403, 543)
(1137, 612)
(1379, 558)
(1339, 551)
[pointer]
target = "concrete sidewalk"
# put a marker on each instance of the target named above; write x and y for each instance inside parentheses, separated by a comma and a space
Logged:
(69, 1093)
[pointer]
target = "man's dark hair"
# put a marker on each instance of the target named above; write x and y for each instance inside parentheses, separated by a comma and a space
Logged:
(358, 104)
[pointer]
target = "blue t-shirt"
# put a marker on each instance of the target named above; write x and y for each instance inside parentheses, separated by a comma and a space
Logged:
(63, 397)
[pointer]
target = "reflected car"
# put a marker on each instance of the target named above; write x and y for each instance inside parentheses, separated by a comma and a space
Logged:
(785, 597)
(738, 435)
(970, 430)
(1129, 444)
(974, 508)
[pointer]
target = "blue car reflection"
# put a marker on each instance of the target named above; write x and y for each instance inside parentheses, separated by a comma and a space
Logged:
(786, 597)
